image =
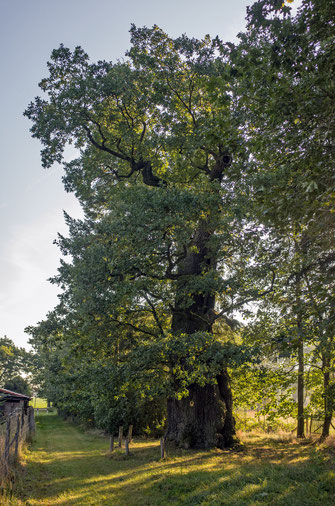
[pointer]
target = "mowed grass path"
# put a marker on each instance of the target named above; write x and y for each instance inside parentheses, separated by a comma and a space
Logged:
(67, 466)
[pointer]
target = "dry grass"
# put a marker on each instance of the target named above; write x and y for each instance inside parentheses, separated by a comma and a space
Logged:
(329, 443)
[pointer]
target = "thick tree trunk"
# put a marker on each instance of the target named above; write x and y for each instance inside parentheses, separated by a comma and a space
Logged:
(204, 419)
(194, 421)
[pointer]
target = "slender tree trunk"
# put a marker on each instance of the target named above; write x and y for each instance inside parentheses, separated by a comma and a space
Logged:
(300, 386)
(204, 419)
(328, 410)
(300, 428)
(228, 431)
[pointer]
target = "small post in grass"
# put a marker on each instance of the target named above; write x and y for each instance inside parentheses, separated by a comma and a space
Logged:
(126, 444)
(130, 433)
(162, 448)
(120, 435)
(111, 444)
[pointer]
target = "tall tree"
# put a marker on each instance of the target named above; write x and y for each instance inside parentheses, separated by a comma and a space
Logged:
(161, 178)
(286, 81)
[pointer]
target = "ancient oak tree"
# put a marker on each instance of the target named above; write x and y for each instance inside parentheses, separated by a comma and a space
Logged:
(162, 250)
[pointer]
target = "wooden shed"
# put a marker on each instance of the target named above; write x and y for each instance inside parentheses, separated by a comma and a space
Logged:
(10, 401)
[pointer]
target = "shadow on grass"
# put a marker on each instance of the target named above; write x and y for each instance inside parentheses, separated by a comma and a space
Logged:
(82, 472)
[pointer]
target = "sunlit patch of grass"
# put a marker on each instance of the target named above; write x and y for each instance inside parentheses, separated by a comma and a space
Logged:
(66, 466)
(329, 442)
(36, 402)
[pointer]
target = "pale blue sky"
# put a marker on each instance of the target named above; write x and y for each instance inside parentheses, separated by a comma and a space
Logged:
(31, 198)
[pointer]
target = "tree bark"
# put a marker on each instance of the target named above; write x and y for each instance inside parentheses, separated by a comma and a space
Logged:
(301, 372)
(328, 411)
(204, 419)
(228, 431)
(300, 428)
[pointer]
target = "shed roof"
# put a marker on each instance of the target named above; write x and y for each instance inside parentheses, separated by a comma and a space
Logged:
(6, 392)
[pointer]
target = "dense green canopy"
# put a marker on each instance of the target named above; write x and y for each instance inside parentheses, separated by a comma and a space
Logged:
(205, 171)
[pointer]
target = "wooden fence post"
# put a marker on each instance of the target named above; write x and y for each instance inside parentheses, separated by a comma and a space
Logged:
(111, 444)
(120, 435)
(126, 444)
(31, 421)
(7, 441)
(162, 448)
(130, 433)
(23, 423)
(17, 436)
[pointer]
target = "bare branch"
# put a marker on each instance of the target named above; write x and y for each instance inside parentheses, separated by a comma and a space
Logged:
(189, 110)
(233, 307)
(143, 131)
(102, 146)
(154, 312)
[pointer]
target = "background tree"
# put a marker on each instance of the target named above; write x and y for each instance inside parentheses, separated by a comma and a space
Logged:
(19, 385)
(13, 360)
(285, 82)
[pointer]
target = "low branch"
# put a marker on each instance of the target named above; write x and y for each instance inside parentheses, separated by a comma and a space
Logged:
(133, 327)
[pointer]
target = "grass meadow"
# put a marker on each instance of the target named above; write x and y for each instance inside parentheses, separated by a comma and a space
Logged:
(36, 402)
(68, 466)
